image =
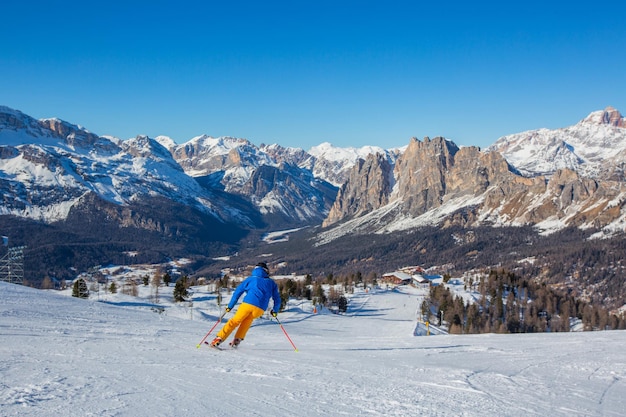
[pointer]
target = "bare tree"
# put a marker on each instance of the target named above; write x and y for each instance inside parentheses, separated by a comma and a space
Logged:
(156, 282)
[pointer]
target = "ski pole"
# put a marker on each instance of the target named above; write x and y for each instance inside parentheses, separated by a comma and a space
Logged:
(214, 326)
(284, 331)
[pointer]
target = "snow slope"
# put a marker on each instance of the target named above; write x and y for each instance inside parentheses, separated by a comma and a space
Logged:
(591, 147)
(62, 356)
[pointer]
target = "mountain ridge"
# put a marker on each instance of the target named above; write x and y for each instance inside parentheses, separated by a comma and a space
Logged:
(595, 147)
(161, 199)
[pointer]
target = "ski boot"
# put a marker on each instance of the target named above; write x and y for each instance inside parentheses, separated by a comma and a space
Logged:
(216, 342)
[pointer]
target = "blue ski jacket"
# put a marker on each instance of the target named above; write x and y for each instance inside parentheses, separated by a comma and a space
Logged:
(259, 288)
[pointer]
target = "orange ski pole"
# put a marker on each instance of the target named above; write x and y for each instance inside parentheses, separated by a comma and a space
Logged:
(284, 331)
(214, 326)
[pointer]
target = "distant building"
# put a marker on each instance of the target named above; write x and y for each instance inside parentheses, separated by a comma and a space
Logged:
(412, 270)
(397, 278)
(419, 281)
(405, 278)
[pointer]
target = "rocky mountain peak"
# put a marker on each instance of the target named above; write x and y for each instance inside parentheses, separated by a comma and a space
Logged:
(13, 119)
(420, 173)
(595, 147)
(18, 128)
(609, 116)
(368, 187)
(146, 147)
(72, 134)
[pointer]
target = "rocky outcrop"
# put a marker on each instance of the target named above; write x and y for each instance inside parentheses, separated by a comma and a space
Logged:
(474, 188)
(73, 135)
(205, 155)
(426, 176)
(368, 188)
(420, 174)
(609, 116)
(288, 195)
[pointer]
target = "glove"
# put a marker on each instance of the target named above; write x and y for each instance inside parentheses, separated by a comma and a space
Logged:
(227, 309)
(273, 313)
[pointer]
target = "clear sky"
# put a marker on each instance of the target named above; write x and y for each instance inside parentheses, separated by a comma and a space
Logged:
(299, 73)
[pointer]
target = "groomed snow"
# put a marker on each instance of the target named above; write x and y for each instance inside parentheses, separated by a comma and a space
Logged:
(62, 356)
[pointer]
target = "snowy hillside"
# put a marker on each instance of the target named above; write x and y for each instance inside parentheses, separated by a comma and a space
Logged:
(63, 356)
(48, 166)
(593, 147)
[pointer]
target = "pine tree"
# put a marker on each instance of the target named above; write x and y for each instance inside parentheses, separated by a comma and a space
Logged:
(180, 289)
(342, 303)
(425, 309)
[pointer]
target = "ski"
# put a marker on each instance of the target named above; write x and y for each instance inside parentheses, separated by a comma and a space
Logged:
(212, 346)
(220, 347)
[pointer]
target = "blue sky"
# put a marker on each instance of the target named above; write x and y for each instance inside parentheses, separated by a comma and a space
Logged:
(302, 73)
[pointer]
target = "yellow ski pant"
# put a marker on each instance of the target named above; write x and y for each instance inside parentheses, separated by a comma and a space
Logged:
(242, 320)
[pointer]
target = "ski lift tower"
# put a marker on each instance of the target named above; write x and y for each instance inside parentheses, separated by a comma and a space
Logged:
(12, 263)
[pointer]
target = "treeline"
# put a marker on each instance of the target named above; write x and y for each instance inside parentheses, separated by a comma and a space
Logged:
(101, 233)
(596, 267)
(509, 303)
(314, 289)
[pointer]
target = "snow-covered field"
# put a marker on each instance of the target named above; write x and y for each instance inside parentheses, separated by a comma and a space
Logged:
(63, 356)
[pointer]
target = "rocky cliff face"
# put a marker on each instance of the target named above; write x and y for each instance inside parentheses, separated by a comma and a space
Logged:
(565, 199)
(609, 116)
(426, 176)
(432, 172)
(205, 155)
(73, 135)
(289, 195)
(368, 188)
(420, 174)
(435, 178)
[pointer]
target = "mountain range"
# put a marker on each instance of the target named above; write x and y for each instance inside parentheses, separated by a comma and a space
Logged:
(77, 199)
(550, 179)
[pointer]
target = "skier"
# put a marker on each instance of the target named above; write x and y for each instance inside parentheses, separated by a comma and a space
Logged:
(259, 288)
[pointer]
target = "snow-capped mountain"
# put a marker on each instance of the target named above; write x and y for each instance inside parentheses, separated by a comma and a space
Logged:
(550, 179)
(204, 155)
(48, 166)
(595, 147)
(236, 166)
(134, 196)
(156, 198)
(334, 163)
(239, 158)
(269, 176)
